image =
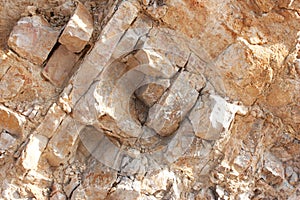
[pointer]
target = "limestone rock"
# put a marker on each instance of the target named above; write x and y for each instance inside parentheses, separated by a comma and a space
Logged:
(11, 83)
(11, 121)
(154, 64)
(149, 99)
(103, 49)
(6, 142)
(33, 39)
(150, 94)
(34, 149)
(221, 115)
(167, 113)
(78, 31)
(51, 122)
(60, 65)
(61, 145)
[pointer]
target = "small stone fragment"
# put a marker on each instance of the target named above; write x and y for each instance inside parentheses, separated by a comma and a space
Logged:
(33, 151)
(11, 121)
(60, 65)
(78, 30)
(33, 39)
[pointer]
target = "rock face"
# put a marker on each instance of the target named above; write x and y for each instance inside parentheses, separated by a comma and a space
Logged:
(33, 38)
(78, 31)
(150, 100)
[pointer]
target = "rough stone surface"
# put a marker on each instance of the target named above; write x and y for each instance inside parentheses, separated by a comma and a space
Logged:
(166, 100)
(33, 38)
(78, 31)
(11, 121)
(60, 65)
(31, 155)
(167, 113)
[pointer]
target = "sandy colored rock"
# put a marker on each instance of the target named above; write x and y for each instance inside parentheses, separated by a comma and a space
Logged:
(78, 31)
(6, 141)
(52, 121)
(221, 115)
(168, 100)
(11, 121)
(60, 65)
(33, 39)
(103, 49)
(165, 116)
(34, 149)
(61, 145)
(11, 83)
(151, 93)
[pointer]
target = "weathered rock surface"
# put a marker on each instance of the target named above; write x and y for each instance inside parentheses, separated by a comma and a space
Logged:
(60, 65)
(33, 38)
(11, 121)
(149, 100)
(78, 31)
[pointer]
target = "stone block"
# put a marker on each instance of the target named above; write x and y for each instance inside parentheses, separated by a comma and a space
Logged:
(63, 144)
(165, 116)
(154, 63)
(11, 121)
(78, 31)
(33, 39)
(60, 65)
(6, 142)
(209, 126)
(151, 93)
(103, 49)
(33, 151)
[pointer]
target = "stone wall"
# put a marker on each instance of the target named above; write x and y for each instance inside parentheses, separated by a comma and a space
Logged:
(149, 99)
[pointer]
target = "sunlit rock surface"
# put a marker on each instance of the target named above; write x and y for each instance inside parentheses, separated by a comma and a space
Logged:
(149, 99)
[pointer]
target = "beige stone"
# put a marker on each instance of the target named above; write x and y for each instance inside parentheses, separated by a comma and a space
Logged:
(51, 122)
(33, 39)
(98, 182)
(31, 156)
(221, 113)
(165, 116)
(63, 143)
(60, 65)
(155, 64)
(124, 195)
(11, 121)
(11, 83)
(150, 94)
(78, 31)
(99, 56)
(229, 53)
(6, 142)
(273, 165)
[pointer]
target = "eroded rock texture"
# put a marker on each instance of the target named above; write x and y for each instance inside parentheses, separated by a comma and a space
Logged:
(149, 99)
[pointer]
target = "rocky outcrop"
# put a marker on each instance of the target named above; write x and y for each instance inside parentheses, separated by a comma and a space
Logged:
(150, 100)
